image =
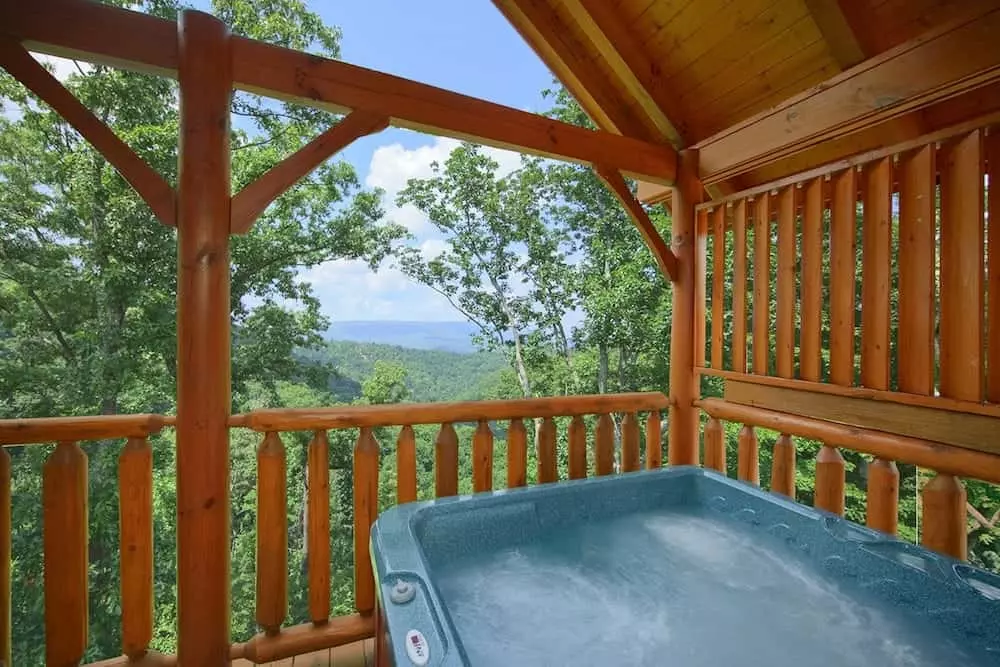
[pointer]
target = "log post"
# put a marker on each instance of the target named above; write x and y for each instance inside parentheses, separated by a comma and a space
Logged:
(604, 445)
(445, 462)
(406, 465)
(365, 512)
(135, 519)
(748, 455)
(830, 476)
(546, 447)
(577, 448)
(944, 528)
(318, 527)
(203, 354)
(654, 450)
(272, 534)
(683, 444)
(517, 454)
(482, 458)
(783, 466)
(883, 495)
(715, 445)
(630, 442)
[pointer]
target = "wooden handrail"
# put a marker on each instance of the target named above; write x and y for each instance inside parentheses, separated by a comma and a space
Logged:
(924, 453)
(361, 416)
(61, 429)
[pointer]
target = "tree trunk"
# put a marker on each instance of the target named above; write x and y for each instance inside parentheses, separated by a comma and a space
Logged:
(602, 367)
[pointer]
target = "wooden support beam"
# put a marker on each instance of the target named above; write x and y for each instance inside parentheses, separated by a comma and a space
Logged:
(837, 31)
(665, 258)
(203, 338)
(150, 185)
(611, 37)
(251, 201)
(100, 33)
(956, 58)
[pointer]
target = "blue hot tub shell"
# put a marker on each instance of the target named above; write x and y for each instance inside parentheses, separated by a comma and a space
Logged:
(678, 566)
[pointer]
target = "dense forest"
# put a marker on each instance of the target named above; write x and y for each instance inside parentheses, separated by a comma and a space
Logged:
(88, 283)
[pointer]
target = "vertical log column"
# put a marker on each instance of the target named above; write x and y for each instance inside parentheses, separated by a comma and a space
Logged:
(577, 448)
(135, 517)
(740, 286)
(318, 527)
(715, 445)
(482, 458)
(517, 454)
(203, 354)
(365, 512)
(272, 534)
(406, 465)
(683, 445)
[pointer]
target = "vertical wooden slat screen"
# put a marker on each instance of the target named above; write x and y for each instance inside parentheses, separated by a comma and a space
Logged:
(786, 283)
(482, 458)
(876, 252)
(883, 496)
(446, 462)
(715, 445)
(5, 553)
(577, 448)
(630, 442)
(547, 471)
(812, 279)
(604, 445)
(365, 512)
(842, 270)
(135, 519)
(783, 466)
(272, 535)
(406, 465)
(654, 453)
(830, 478)
(718, 283)
(700, 259)
(517, 454)
(740, 286)
(944, 500)
(761, 282)
(992, 152)
(318, 526)
(961, 330)
(64, 540)
(917, 239)
(748, 455)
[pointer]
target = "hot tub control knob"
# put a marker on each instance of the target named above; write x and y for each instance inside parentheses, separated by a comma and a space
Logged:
(402, 592)
(417, 649)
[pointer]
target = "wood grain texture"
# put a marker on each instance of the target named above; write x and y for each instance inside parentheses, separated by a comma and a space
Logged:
(700, 316)
(810, 360)
(366, 453)
(406, 466)
(917, 242)
(272, 534)
(883, 495)
(65, 554)
(740, 286)
(991, 145)
(203, 341)
(547, 471)
(577, 445)
(830, 476)
(446, 462)
(718, 284)
(783, 466)
(56, 429)
(748, 455)
(318, 526)
(876, 250)
(944, 500)
(785, 329)
(761, 283)
(843, 265)
(654, 439)
(135, 534)
(630, 442)
(960, 162)
(306, 638)
(517, 454)
(604, 445)
(715, 445)
(482, 458)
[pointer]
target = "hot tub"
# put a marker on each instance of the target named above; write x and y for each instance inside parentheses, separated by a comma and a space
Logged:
(678, 566)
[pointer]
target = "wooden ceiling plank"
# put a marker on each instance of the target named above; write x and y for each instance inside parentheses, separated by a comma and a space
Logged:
(946, 62)
(151, 45)
(641, 76)
(837, 31)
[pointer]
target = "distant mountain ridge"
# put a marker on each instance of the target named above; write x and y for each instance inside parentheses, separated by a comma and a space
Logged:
(446, 336)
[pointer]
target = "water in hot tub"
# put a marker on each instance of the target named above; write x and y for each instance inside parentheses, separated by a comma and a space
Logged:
(669, 589)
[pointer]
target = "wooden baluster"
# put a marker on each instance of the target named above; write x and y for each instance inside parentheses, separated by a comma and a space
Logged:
(654, 450)
(700, 278)
(748, 455)
(135, 518)
(991, 146)
(446, 462)
(406, 466)
(547, 471)
(917, 240)
(740, 286)
(944, 528)
(783, 466)
(604, 445)
(64, 528)
(517, 454)
(876, 251)
(961, 330)
(812, 280)
(630, 442)
(482, 458)
(883, 496)
(829, 480)
(715, 445)
(272, 534)
(761, 282)
(843, 266)
(318, 527)
(577, 448)
(786, 283)
(366, 455)
(5, 555)
(718, 283)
